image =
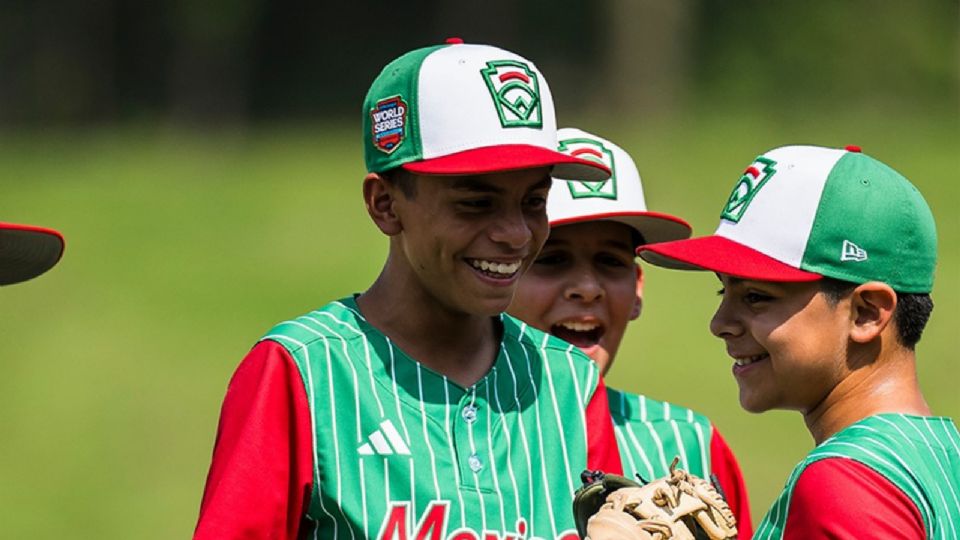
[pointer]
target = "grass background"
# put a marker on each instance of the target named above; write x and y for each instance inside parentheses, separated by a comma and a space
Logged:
(184, 247)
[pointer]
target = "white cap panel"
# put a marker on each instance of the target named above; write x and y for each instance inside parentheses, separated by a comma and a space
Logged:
(458, 106)
(783, 186)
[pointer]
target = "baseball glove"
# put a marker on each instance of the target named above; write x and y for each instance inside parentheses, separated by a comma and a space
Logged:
(678, 507)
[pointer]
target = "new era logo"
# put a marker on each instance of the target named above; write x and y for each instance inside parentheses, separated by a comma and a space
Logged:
(852, 252)
(385, 441)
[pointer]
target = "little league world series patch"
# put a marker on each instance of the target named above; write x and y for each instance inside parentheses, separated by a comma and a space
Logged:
(515, 90)
(591, 150)
(756, 175)
(388, 123)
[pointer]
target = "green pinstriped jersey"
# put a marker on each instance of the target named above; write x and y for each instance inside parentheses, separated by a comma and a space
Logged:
(651, 433)
(920, 455)
(401, 452)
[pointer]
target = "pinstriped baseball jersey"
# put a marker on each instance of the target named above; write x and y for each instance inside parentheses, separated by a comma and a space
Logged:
(651, 433)
(919, 455)
(403, 452)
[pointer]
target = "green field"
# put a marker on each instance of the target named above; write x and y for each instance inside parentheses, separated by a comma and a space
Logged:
(183, 248)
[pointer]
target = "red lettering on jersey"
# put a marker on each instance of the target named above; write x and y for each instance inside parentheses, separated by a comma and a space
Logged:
(434, 521)
(463, 534)
(395, 521)
(431, 526)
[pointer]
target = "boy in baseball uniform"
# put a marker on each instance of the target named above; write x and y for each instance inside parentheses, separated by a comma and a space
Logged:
(826, 261)
(418, 409)
(586, 286)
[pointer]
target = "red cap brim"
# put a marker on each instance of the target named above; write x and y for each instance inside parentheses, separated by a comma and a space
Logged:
(27, 251)
(724, 256)
(653, 226)
(510, 157)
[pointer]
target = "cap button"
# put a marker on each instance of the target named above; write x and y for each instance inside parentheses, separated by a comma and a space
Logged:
(853, 148)
(454, 41)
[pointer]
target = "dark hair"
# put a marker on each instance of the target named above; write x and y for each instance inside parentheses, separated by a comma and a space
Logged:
(911, 314)
(403, 179)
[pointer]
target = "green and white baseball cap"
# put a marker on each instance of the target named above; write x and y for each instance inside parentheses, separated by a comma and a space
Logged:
(799, 213)
(619, 198)
(27, 251)
(459, 109)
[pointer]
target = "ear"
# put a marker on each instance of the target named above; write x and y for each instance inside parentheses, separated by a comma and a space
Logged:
(638, 304)
(872, 305)
(379, 196)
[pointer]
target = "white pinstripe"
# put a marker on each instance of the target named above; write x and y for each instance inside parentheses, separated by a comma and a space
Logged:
(643, 455)
(491, 457)
(536, 409)
(556, 409)
(453, 453)
(426, 436)
(506, 432)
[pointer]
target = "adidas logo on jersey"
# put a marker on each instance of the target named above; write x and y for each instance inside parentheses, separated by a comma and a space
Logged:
(852, 252)
(385, 441)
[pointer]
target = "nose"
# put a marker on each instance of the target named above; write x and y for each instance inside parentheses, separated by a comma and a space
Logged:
(512, 229)
(584, 287)
(725, 323)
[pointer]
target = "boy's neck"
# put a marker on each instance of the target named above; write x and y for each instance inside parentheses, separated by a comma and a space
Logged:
(460, 346)
(886, 384)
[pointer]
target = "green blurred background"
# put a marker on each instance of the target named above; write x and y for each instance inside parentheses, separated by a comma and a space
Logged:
(203, 162)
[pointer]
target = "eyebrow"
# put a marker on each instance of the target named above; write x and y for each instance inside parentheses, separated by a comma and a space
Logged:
(477, 184)
(473, 183)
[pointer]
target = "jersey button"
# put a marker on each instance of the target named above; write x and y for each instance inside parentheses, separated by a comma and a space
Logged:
(469, 414)
(475, 463)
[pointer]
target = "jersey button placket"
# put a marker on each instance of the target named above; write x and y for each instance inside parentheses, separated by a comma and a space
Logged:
(471, 440)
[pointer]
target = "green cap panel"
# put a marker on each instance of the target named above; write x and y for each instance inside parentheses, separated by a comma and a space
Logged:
(872, 224)
(391, 121)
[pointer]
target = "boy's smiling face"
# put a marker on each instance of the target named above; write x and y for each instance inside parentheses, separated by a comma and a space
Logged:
(584, 287)
(788, 342)
(468, 239)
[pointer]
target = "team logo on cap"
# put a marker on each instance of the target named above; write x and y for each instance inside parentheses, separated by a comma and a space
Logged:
(388, 120)
(515, 89)
(756, 175)
(591, 150)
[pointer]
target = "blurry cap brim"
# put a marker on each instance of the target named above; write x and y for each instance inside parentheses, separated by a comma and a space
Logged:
(652, 226)
(510, 157)
(724, 256)
(27, 251)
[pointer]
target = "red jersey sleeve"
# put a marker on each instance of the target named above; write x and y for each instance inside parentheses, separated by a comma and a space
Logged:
(724, 464)
(843, 499)
(602, 451)
(260, 478)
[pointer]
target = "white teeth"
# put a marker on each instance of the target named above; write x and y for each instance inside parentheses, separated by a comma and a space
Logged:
(579, 326)
(495, 267)
(747, 360)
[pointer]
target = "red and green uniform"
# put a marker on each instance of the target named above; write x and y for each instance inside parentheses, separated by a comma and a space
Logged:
(651, 433)
(330, 431)
(886, 476)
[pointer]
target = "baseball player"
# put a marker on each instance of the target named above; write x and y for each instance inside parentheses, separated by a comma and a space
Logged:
(417, 409)
(585, 287)
(27, 251)
(826, 260)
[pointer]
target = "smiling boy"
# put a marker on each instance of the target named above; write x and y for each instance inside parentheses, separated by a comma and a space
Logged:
(586, 286)
(417, 409)
(826, 259)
